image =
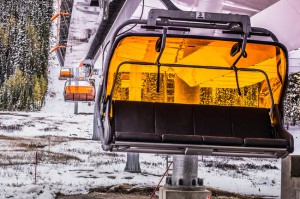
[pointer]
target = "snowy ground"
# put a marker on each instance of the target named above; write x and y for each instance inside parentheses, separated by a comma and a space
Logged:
(69, 163)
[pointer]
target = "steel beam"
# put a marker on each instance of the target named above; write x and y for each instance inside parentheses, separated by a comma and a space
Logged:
(107, 27)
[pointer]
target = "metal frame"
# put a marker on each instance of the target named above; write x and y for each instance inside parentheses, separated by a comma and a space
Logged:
(204, 67)
(189, 149)
(235, 24)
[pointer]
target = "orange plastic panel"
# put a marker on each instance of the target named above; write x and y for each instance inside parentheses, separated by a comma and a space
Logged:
(79, 93)
(66, 73)
(205, 86)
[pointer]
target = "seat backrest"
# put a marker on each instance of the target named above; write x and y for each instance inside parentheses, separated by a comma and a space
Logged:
(212, 120)
(173, 119)
(129, 116)
(250, 122)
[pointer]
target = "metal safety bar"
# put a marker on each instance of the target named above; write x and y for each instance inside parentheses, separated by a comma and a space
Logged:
(196, 66)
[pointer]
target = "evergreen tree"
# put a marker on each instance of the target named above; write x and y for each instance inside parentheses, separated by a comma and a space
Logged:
(292, 100)
(24, 46)
(37, 92)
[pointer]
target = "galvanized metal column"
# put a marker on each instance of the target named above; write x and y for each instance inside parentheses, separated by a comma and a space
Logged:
(76, 108)
(185, 167)
(133, 163)
(184, 183)
(185, 170)
(76, 77)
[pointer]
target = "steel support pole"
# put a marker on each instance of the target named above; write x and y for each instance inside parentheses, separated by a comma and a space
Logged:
(76, 84)
(185, 170)
(133, 163)
(76, 108)
(99, 40)
(184, 183)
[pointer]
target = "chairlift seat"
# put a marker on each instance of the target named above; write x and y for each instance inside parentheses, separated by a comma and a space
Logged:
(79, 97)
(250, 122)
(168, 123)
(134, 121)
(133, 116)
(144, 105)
(212, 120)
(173, 119)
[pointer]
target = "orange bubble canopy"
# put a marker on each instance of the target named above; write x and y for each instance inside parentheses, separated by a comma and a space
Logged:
(201, 65)
(79, 91)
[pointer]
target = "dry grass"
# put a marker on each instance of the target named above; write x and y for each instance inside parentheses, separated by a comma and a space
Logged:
(11, 128)
(26, 149)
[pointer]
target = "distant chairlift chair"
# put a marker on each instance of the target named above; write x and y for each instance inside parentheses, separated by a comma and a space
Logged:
(79, 91)
(65, 73)
(191, 94)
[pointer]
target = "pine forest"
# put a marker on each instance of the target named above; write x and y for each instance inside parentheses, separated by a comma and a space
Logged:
(24, 49)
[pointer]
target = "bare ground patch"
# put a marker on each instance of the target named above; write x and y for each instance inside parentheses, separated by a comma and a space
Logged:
(11, 128)
(26, 149)
(132, 191)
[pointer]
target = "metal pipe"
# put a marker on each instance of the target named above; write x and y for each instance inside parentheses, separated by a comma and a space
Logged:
(205, 67)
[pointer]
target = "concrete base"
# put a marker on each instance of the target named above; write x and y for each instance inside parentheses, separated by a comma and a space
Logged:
(182, 192)
(290, 177)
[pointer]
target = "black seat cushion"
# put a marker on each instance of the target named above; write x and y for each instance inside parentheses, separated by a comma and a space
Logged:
(212, 121)
(137, 137)
(131, 116)
(263, 142)
(173, 119)
(182, 139)
(224, 141)
(250, 122)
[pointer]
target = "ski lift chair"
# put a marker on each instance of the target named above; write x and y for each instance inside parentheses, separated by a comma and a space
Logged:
(79, 91)
(173, 93)
(65, 73)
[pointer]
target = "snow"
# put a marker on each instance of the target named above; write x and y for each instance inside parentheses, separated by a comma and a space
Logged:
(75, 163)
(70, 163)
(294, 61)
(295, 131)
(80, 83)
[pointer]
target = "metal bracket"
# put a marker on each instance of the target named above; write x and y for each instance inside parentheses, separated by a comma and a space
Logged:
(193, 151)
(161, 50)
(104, 5)
(88, 65)
(233, 21)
